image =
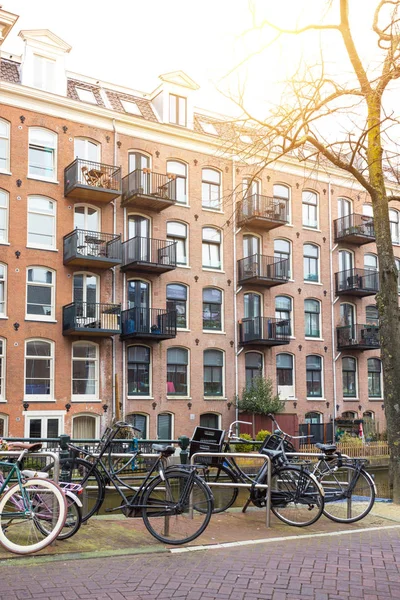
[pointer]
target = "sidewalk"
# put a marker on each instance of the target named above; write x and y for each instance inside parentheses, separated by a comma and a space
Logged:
(115, 535)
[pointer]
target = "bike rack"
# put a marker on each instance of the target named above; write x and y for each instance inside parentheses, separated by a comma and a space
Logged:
(262, 486)
(52, 455)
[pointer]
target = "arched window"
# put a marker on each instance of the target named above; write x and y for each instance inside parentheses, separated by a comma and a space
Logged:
(347, 315)
(349, 414)
(345, 208)
(282, 258)
(4, 145)
(41, 222)
(369, 414)
(394, 225)
(212, 309)
(86, 217)
(137, 160)
(3, 425)
(211, 248)
(349, 377)
(314, 377)
(285, 375)
(177, 372)
(164, 426)
(314, 418)
(370, 262)
(372, 315)
(310, 209)
(40, 302)
(42, 159)
(177, 232)
(138, 371)
(251, 187)
(4, 196)
(253, 367)
(281, 197)
(374, 378)
(211, 420)
(86, 291)
(211, 189)
(312, 317)
(86, 149)
(251, 245)
(85, 427)
(85, 371)
(2, 370)
(140, 421)
(311, 262)
(179, 170)
(39, 370)
(3, 290)
(283, 312)
(177, 296)
(213, 373)
(367, 210)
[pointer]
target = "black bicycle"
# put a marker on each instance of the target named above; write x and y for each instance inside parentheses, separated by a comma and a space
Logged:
(175, 503)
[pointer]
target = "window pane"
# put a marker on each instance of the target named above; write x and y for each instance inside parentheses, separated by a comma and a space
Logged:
(213, 357)
(176, 292)
(212, 295)
(176, 229)
(281, 191)
(84, 351)
(138, 354)
(164, 427)
(284, 361)
(177, 356)
(38, 348)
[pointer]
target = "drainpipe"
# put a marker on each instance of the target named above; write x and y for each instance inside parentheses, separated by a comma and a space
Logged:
(124, 305)
(333, 300)
(235, 291)
(113, 271)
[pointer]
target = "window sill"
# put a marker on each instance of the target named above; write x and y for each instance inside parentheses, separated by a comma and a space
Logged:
(40, 320)
(350, 399)
(182, 205)
(214, 398)
(182, 329)
(312, 282)
(3, 401)
(3, 317)
(211, 270)
(77, 399)
(5, 172)
(376, 399)
(179, 397)
(5, 244)
(35, 178)
(183, 267)
(313, 399)
(42, 248)
(309, 228)
(215, 332)
(140, 397)
(213, 210)
(314, 339)
(289, 225)
(37, 399)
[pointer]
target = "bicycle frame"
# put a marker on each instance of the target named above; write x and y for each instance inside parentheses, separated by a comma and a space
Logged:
(4, 481)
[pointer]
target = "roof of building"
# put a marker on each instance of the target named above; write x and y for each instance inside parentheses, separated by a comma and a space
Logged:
(9, 71)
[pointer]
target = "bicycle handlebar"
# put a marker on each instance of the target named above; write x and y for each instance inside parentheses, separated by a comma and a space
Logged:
(230, 433)
(121, 424)
(292, 437)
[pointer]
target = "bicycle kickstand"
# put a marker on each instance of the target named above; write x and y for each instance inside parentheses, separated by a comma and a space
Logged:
(246, 505)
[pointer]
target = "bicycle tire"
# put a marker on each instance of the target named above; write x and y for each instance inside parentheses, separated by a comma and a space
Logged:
(20, 532)
(224, 498)
(338, 507)
(72, 523)
(296, 496)
(78, 468)
(170, 499)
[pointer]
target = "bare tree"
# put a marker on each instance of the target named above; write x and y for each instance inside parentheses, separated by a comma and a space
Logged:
(349, 125)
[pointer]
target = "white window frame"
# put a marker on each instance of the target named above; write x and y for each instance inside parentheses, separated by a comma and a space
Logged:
(3, 370)
(314, 193)
(350, 398)
(85, 397)
(291, 312)
(289, 199)
(221, 249)
(5, 208)
(40, 397)
(170, 414)
(395, 242)
(38, 212)
(173, 238)
(187, 328)
(138, 396)
(281, 239)
(87, 140)
(381, 397)
(223, 395)
(179, 175)
(187, 396)
(5, 419)
(318, 258)
(6, 137)
(85, 95)
(96, 418)
(44, 415)
(176, 119)
(367, 267)
(293, 386)
(322, 397)
(222, 330)
(219, 209)
(308, 337)
(52, 285)
(86, 207)
(142, 414)
(3, 313)
(53, 177)
(211, 412)
(130, 107)
(44, 80)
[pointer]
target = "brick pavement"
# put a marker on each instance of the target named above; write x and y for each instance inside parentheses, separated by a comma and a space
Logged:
(361, 566)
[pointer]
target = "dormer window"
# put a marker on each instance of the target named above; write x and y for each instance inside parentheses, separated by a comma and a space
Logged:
(86, 95)
(177, 110)
(208, 128)
(44, 70)
(130, 107)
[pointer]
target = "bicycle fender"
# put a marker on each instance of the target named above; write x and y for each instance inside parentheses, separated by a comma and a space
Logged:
(74, 498)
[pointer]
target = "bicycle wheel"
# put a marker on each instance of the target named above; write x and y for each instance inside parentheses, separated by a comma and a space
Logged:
(94, 487)
(23, 513)
(296, 496)
(349, 496)
(167, 513)
(224, 498)
(72, 522)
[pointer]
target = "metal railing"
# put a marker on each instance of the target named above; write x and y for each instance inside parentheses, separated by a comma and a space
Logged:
(357, 280)
(148, 322)
(147, 183)
(354, 225)
(92, 244)
(266, 207)
(266, 267)
(91, 315)
(358, 335)
(267, 329)
(92, 174)
(149, 250)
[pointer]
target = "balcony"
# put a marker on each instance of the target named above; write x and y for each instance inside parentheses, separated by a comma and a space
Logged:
(148, 255)
(148, 323)
(93, 249)
(91, 319)
(151, 191)
(354, 229)
(92, 181)
(262, 212)
(357, 282)
(358, 337)
(263, 270)
(264, 331)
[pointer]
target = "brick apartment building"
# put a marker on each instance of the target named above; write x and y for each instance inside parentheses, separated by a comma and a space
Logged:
(142, 267)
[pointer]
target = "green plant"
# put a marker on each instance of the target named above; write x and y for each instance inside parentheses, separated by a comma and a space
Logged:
(347, 438)
(262, 434)
(244, 447)
(260, 398)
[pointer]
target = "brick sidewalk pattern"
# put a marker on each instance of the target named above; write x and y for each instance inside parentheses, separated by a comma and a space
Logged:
(362, 566)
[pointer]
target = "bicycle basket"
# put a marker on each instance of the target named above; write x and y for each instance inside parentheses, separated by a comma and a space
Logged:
(276, 442)
(207, 439)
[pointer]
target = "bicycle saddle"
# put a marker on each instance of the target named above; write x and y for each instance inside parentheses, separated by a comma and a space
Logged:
(165, 450)
(25, 446)
(328, 448)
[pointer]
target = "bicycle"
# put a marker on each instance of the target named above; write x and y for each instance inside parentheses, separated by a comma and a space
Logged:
(296, 496)
(349, 489)
(176, 505)
(33, 511)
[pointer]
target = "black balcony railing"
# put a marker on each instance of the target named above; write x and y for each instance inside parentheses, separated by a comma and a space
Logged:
(142, 183)
(263, 208)
(92, 247)
(358, 337)
(268, 331)
(355, 228)
(91, 318)
(153, 323)
(148, 254)
(260, 267)
(359, 282)
(96, 179)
